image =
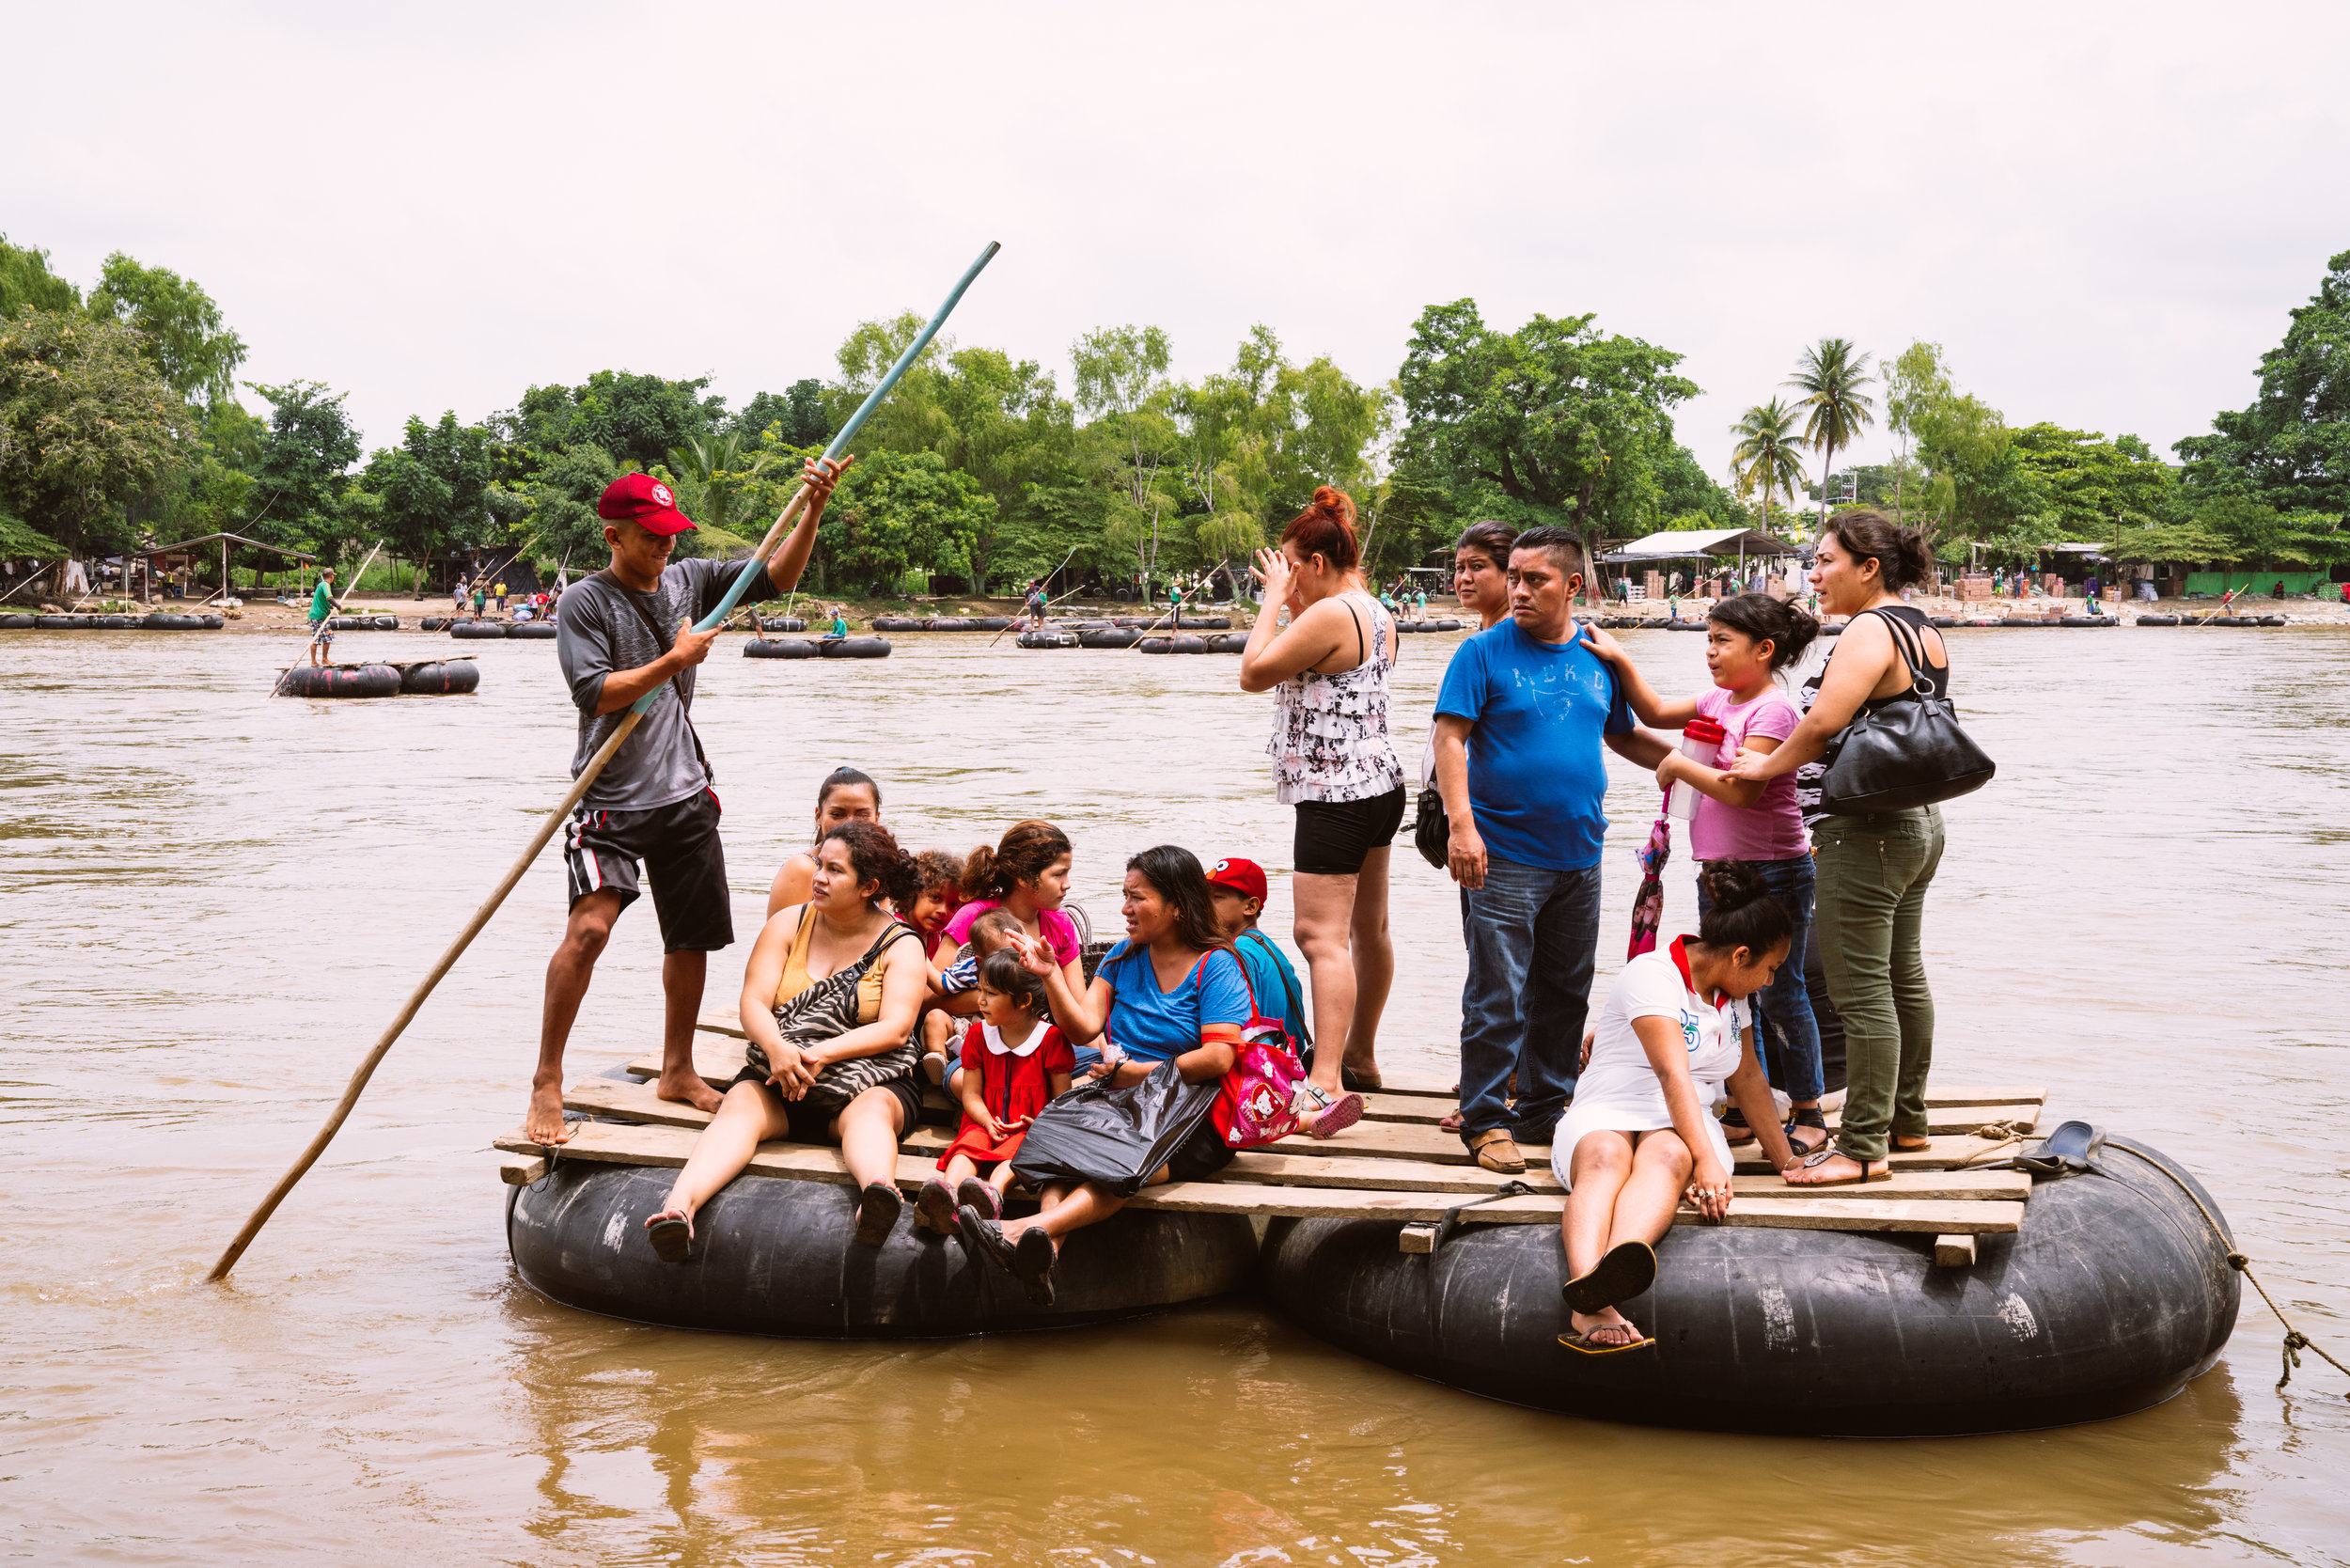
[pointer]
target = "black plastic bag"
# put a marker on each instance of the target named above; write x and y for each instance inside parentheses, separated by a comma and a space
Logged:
(1116, 1137)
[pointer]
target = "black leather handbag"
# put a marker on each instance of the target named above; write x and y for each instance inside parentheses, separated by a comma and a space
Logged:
(1431, 830)
(1904, 754)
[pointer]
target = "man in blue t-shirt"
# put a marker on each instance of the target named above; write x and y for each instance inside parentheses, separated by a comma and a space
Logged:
(1520, 719)
(1237, 889)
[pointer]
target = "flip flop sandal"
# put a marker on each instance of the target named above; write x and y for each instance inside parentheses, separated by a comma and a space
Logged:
(934, 1208)
(1368, 1082)
(672, 1239)
(981, 1196)
(1822, 1156)
(1628, 1269)
(1912, 1144)
(1032, 1259)
(1588, 1347)
(877, 1214)
(1735, 1127)
(984, 1236)
(1450, 1124)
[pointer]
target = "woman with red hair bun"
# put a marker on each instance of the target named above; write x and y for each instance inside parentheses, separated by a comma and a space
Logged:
(1333, 761)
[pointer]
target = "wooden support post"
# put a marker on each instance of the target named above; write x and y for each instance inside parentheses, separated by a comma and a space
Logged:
(520, 1170)
(1953, 1252)
(1419, 1238)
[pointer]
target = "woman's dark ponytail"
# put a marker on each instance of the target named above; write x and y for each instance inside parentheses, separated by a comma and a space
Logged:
(1899, 552)
(1740, 910)
(1789, 630)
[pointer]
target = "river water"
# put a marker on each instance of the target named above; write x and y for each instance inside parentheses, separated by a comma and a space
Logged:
(214, 900)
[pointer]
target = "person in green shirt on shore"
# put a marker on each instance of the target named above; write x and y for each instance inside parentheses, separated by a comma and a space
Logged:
(321, 605)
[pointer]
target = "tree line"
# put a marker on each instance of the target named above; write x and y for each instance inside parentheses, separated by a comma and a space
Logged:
(2269, 486)
(123, 424)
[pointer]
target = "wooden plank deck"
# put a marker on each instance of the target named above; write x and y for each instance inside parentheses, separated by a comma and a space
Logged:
(670, 1146)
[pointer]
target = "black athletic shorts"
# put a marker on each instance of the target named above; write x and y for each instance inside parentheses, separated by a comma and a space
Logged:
(1334, 837)
(679, 845)
(808, 1123)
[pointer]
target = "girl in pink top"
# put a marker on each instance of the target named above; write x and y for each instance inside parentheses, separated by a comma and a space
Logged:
(1750, 639)
(1028, 872)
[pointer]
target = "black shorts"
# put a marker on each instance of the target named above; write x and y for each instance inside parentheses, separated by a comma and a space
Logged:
(1334, 837)
(1202, 1155)
(808, 1123)
(679, 845)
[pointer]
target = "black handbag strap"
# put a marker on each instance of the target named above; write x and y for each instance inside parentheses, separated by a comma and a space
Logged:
(663, 641)
(1921, 681)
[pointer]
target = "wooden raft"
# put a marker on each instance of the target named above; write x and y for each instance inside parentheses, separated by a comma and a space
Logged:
(1396, 1164)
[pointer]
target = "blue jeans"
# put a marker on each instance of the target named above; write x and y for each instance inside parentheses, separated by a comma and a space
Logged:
(1532, 934)
(1785, 1026)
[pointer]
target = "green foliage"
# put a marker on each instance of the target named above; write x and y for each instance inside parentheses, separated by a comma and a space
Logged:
(185, 334)
(895, 511)
(1831, 379)
(1766, 462)
(556, 506)
(2092, 485)
(637, 418)
(799, 412)
(309, 450)
(432, 488)
(1554, 423)
(85, 425)
(2290, 450)
(26, 283)
(21, 541)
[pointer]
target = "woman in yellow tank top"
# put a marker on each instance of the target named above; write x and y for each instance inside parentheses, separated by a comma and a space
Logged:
(829, 999)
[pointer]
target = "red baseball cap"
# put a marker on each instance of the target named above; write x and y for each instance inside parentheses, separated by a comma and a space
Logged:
(1245, 877)
(648, 502)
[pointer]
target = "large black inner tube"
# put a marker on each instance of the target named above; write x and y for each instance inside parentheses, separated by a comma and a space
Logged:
(532, 631)
(18, 622)
(340, 681)
(62, 622)
(2116, 1291)
(2157, 620)
(1108, 636)
(899, 624)
(853, 648)
(776, 1257)
(1048, 638)
(165, 622)
(781, 623)
(478, 629)
(439, 678)
(778, 648)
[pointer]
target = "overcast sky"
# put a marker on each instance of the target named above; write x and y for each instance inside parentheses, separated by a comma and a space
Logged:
(2102, 213)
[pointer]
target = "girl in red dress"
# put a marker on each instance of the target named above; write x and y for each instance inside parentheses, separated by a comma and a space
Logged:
(1021, 1061)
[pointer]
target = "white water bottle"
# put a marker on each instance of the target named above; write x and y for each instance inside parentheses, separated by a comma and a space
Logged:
(1701, 743)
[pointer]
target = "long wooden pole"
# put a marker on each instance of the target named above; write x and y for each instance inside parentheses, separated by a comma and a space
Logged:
(578, 791)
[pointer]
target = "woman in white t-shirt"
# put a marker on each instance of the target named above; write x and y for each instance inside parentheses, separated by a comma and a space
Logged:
(1639, 1134)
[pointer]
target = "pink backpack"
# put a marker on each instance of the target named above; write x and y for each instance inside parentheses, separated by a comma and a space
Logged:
(1256, 1103)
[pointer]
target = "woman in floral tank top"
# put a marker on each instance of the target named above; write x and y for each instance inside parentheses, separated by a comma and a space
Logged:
(1335, 762)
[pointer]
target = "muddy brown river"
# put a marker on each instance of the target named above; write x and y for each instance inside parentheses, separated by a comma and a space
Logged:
(214, 900)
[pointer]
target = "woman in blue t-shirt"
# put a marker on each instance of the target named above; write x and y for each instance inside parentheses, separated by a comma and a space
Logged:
(1170, 993)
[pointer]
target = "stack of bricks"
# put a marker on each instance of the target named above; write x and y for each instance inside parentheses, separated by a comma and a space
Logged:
(1974, 587)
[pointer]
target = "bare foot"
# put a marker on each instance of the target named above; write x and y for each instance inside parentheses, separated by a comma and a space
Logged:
(1608, 1327)
(687, 1089)
(543, 1122)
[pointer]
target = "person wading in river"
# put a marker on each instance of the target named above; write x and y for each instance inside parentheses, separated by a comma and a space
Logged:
(622, 632)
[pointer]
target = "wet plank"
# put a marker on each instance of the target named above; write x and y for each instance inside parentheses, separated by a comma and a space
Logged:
(1954, 1117)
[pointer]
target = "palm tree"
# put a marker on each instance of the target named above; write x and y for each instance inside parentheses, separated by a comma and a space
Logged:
(1830, 379)
(1766, 458)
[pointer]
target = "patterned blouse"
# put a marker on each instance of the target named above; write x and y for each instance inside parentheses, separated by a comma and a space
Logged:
(1330, 738)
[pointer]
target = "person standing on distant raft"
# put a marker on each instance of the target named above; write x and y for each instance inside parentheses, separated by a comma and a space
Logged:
(321, 605)
(621, 633)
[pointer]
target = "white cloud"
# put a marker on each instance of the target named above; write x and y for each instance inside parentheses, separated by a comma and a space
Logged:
(2103, 213)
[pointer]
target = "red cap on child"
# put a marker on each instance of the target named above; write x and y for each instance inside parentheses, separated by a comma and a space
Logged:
(1245, 877)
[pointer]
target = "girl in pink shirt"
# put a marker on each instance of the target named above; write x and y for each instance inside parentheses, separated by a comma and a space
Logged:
(1750, 639)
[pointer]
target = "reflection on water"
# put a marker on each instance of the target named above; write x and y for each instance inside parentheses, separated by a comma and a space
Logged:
(215, 899)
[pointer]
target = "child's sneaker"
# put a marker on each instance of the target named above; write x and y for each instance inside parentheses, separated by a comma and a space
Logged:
(978, 1195)
(934, 1208)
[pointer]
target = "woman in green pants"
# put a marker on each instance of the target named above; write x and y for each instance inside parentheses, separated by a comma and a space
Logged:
(1873, 870)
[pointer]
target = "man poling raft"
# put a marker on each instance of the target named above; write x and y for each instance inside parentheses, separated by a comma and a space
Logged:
(584, 780)
(654, 801)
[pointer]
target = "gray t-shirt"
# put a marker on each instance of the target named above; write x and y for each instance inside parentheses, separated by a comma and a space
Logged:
(597, 633)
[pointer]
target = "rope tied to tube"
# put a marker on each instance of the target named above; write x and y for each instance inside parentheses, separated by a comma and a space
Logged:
(2295, 1341)
(2001, 1134)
